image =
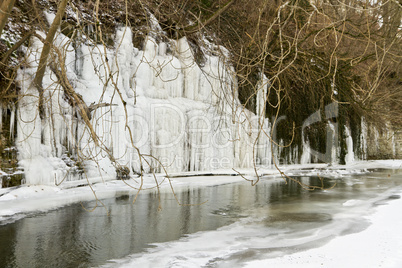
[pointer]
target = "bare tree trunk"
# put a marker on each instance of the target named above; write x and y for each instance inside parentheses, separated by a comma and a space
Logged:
(5, 11)
(48, 44)
(15, 47)
(46, 51)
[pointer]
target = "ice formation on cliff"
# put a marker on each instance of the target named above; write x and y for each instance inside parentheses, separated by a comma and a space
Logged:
(184, 114)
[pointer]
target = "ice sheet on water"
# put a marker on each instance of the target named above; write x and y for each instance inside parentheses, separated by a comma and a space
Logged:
(250, 243)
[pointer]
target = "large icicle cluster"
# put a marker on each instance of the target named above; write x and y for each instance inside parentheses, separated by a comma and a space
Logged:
(162, 102)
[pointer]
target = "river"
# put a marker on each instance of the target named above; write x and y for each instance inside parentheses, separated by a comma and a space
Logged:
(218, 225)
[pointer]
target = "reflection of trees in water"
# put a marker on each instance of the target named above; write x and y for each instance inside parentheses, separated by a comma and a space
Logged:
(8, 234)
(71, 236)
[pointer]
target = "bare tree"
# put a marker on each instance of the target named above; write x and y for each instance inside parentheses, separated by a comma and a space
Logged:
(5, 10)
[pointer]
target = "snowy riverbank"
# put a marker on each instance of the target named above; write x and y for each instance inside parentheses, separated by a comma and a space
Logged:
(380, 245)
(363, 230)
(16, 202)
(248, 243)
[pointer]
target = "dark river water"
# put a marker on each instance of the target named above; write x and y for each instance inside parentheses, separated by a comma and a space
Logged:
(73, 237)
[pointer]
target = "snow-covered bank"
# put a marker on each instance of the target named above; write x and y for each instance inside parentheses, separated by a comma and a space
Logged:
(30, 198)
(243, 244)
(380, 245)
(361, 233)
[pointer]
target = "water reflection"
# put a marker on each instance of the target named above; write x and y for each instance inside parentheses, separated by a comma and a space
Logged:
(73, 237)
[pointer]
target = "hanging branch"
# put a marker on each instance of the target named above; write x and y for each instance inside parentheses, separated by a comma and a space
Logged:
(15, 47)
(5, 10)
(45, 53)
(200, 25)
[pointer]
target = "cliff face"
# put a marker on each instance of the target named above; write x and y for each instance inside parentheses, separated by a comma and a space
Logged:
(384, 144)
(117, 101)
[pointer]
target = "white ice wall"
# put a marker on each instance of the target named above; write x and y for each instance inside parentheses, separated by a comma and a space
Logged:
(186, 116)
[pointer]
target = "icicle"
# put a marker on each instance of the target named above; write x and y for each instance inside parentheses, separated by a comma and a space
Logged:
(306, 153)
(12, 121)
(262, 96)
(376, 139)
(350, 156)
(363, 140)
(393, 145)
(334, 144)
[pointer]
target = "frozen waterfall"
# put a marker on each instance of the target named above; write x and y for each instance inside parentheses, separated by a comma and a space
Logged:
(159, 101)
